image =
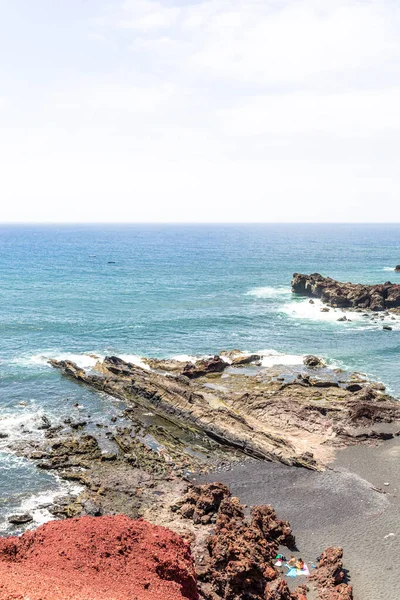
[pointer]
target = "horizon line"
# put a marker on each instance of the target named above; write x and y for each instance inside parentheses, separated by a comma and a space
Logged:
(41, 223)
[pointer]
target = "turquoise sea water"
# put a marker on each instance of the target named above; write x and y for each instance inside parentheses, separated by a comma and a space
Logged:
(71, 291)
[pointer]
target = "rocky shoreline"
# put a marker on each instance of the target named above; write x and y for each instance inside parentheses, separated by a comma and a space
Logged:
(183, 419)
(376, 298)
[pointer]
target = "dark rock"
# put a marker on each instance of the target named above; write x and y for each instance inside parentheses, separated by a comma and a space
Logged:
(20, 519)
(354, 387)
(378, 297)
(313, 361)
(397, 268)
(46, 424)
(204, 367)
(238, 361)
(3, 435)
(387, 328)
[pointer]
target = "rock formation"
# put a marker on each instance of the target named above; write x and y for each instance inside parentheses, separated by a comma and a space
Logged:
(237, 562)
(257, 415)
(397, 268)
(107, 558)
(330, 577)
(347, 295)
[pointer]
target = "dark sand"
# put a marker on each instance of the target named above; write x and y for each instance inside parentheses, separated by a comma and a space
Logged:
(336, 508)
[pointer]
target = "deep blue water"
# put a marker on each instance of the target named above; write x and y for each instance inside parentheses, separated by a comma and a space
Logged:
(166, 290)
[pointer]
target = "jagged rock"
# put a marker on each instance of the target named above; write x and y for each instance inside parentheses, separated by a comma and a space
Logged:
(188, 405)
(330, 578)
(201, 503)
(241, 553)
(313, 361)
(204, 367)
(378, 297)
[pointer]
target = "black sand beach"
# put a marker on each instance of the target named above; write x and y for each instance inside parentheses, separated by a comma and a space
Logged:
(339, 507)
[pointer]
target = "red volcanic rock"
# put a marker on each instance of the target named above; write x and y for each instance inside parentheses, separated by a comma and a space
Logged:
(329, 576)
(241, 552)
(104, 558)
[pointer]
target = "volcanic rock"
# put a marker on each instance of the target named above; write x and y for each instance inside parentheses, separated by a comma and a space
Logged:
(202, 502)
(241, 553)
(107, 558)
(330, 578)
(263, 421)
(377, 298)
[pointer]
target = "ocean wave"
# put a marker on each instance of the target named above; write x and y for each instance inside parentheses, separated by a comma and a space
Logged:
(269, 292)
(388, 269)
(84, 360)
(36, 504)
(23, 419)
(305, 310)
(271, 358)
(135, 359)
(187, 358)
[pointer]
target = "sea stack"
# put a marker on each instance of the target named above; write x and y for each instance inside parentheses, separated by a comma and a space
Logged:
(337, 294)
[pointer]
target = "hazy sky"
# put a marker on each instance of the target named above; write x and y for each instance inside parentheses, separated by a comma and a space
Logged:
(212, 110)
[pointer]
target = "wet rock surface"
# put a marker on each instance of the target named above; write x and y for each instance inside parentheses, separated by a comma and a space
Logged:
(292, 421)
(348, 295)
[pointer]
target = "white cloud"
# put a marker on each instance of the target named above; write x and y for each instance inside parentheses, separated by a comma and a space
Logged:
(226, 110)
(273, 42)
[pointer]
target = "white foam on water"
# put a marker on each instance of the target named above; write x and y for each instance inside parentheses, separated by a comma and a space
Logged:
(388, 269)
(305, 310)
(16, 424)
(185, 358)
(35, 504)
(135, 360)
(271, 358)
(269, 292)
(86, 360)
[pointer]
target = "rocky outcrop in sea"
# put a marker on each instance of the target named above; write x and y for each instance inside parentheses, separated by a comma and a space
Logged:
(337, 294)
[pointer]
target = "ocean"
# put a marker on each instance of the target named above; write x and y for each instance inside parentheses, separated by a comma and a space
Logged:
(75, 291)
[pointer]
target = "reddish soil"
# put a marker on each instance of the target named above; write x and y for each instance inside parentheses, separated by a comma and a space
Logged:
(103, 558)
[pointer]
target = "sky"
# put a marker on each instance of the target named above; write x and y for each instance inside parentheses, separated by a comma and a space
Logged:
(199, 111)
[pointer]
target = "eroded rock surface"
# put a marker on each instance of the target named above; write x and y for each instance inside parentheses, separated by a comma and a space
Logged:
(238, 557)
(348, 295)
(296, 421)
(330, 577)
